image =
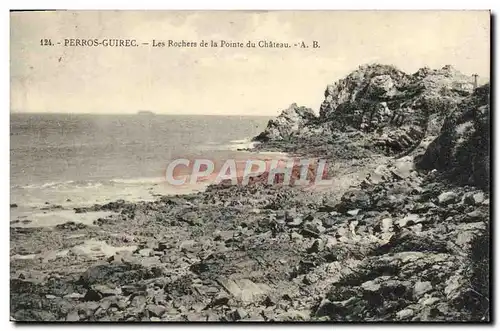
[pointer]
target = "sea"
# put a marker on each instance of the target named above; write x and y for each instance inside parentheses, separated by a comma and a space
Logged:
(73, 160)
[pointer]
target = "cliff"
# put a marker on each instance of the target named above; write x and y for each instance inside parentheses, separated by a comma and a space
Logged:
(393, 110)
(462, 149)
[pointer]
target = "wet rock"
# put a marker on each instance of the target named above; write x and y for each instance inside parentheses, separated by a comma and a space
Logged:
(462, 150)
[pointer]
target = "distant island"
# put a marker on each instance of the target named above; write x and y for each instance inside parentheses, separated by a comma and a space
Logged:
(145, 112)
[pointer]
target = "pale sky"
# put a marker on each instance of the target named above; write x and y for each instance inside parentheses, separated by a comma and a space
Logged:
(258, 81)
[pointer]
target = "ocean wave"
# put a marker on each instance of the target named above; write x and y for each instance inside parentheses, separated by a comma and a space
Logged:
(90, 184)
(44, 185)
(241, 144)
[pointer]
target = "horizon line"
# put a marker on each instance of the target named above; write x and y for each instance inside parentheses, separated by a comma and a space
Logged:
(131, 114)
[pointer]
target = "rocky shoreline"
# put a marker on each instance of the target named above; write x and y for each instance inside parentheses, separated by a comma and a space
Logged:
(391, 240)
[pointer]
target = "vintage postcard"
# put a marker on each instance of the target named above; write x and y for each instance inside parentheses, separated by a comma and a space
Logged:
(250, 166)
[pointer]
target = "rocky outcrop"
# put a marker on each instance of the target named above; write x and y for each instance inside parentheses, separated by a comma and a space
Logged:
(462, 149)
(289, 123)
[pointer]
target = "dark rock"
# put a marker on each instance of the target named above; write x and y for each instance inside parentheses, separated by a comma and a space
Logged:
(162, 246)
(317, 246)
(312, 229)
(237, 314)
(131, 289)
(268, 301)
(71, 226)
(221, 299)
(357, 199)
(104, 273)
(13, 205)
(474, 199)
(325, 308)
(462, 149)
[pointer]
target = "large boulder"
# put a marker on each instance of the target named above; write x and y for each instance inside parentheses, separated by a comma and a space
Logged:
(289, 123)
(365, 95)
(462, 149)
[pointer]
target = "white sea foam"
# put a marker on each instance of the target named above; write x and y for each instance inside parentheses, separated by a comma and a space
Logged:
(139, 180)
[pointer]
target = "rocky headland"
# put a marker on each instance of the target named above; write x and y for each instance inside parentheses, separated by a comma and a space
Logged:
(402, 235)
